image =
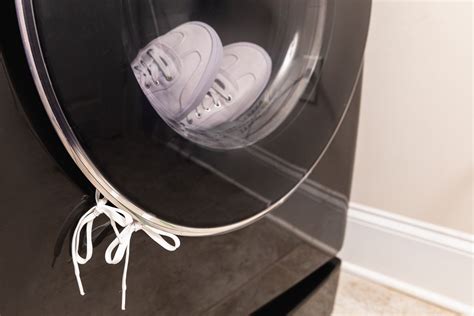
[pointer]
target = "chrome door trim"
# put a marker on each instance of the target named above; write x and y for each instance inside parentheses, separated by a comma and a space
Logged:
(38, 68)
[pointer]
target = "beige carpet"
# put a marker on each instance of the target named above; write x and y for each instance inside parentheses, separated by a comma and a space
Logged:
(357, 296)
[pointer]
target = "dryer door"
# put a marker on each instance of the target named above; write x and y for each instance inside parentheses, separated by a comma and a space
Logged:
(198, 116)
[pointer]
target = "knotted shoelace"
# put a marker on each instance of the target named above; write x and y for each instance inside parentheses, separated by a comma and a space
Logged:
(216, 93)
(152, 71)
(121, 243)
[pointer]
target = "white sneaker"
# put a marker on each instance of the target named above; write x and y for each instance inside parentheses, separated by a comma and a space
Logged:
(176, 70)
(244, 73)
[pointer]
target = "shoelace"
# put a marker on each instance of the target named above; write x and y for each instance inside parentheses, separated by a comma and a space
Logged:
(216, 93)
(151, 72)
(121, 244)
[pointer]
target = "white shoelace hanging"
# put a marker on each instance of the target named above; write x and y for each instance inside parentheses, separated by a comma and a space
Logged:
(121, 244)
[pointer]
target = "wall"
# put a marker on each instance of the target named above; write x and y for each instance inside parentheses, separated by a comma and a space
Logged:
(414, 154)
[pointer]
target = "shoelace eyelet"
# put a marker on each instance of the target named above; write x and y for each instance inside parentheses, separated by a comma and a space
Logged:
(229, 98)
(155, 82)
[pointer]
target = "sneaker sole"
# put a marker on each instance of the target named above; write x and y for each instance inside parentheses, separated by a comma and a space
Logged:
(269, 62)
(211, 70)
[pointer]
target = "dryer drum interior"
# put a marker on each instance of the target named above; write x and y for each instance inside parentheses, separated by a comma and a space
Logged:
(197, 116)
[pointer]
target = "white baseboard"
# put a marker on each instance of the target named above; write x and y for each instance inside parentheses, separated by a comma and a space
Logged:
(426, 261)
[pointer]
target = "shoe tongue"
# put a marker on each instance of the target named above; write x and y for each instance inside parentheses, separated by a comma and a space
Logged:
(167, 61)
(147, 59)
(224, 83)
(226, 78)
(207, 101)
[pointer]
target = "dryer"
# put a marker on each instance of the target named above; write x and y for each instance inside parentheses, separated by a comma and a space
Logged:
(78, 117)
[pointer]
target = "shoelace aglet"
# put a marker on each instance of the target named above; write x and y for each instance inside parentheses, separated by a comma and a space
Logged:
(124, 296)
(125, 271)
(79, 282)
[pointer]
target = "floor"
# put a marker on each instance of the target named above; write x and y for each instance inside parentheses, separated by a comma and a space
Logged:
(357, 296)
